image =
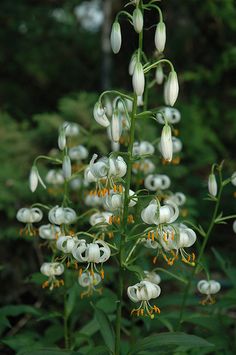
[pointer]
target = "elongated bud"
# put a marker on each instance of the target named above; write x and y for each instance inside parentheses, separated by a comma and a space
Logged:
(116, 126)
(212, 185)
(138, 79)
(159, 74)
(66, 167)
(132, 64)
(33, 178)
(100, 115)
(171, 89)
(116, 37)
(160, 37)
(138, 20)
(62, 139)
(166, 143)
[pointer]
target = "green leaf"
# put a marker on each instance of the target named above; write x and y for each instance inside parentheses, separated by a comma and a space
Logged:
(106, 329)
(99, 350)
(229, 271)
(137, 270)
(46, 351)
(153, 342)
(15, 311)
(72, 299)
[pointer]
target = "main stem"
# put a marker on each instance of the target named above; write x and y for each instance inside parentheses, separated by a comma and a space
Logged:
(203, 247)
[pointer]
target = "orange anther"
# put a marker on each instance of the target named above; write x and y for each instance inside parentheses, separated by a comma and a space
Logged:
(154, 260)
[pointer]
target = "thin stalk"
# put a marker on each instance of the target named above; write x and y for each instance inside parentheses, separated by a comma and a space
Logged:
(66, 331)
(202, 249)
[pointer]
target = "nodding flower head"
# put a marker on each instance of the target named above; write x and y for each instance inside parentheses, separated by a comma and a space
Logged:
(114, 200)
(171, 89)
(132, 64)
(49, 232)
(99, 114)
(52, 270)
(154, 213)
(55, 177)
(29, 216)
(138, 20)
(61, 215)
(144, 166)
(78, 153)
(72, 129)
(93, 200)
(143, 292)
(208, 288)
(116, 126)
(35, 178)
(178, 198)
(152, 276)
(177, 145)
(116, 37)
(174, 239)
(102, 218)
(170, 114)
(154, 182)
(89, 281)
(66, 167)
(143, 148)
(66, 243)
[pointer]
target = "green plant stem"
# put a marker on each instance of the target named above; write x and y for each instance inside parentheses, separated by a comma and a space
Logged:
(202, 249)
(66, 331)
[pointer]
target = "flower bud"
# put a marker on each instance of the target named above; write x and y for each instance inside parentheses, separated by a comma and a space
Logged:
(234, 226)
(171, 89)
(138, 79)
(116, 126)
(138, 20)
(166, 143)
(212, 185)
(100, 115)
(116, 37)
(62, 140)
(233, 179)
(33, 178)
(66, 167)
(132, 64)
(160, 37)
(159, 74)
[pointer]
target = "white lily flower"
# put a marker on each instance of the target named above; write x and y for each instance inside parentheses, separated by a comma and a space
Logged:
(115, 146)
(35, 178)
(171, 89)
(152, 276)
(118, 166)
(143, 292)
(97, 252)
(132, 64)
(29, 215)
(156, 214)
(115, 200)
(55, 177)
(146, 166)
(208, 288)
(179, 198)
(93, 200)
(89, 281)
(160, 37)
(143, 148)
(116, 126)
(166, 145)
(153, 182)
(138, 79)
(159, 74)
(66, 167)
(100, 218)
(61, 215)
(138, 20)
(99, 115)
(72, 129)
(116, 37)
(52, 270)
(78, 153)
(172, 115)
(233, 179)
(212, 185)
(49, 231)
(177, 145)
(66, 243)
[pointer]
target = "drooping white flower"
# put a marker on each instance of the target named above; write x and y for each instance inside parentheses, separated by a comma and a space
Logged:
(116, 126)
(97, 252)
(66, 243)
(100, 218)
(212, 185)
(72, 129)
(116, 37)
(90, 281)
(156, 214)
(52, 270)
(35, 178)
(160, 37)
(29, 215)
(138, 79)
(93, 200)
(77, 183)
(153, 182)
(177, 145)
(115, 200)
(100, 116)
(170, 114)
(62, 139)
(66, 167)
(166, 146)
(208, 288)
(143, 292)
(145, 166)
(78, 153)
(152, 276)
(171, 89)
(150, 243)
(159, 75)
(55, 177)
(49, 232)
(233, 179)
(138, 20)
(143, 148)
(179, 198)
(61, 215)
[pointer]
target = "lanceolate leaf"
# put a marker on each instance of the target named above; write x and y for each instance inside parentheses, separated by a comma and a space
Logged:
(106, 329)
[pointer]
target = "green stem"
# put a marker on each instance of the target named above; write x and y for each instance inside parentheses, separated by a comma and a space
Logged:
(202, 249)
(66, 332)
